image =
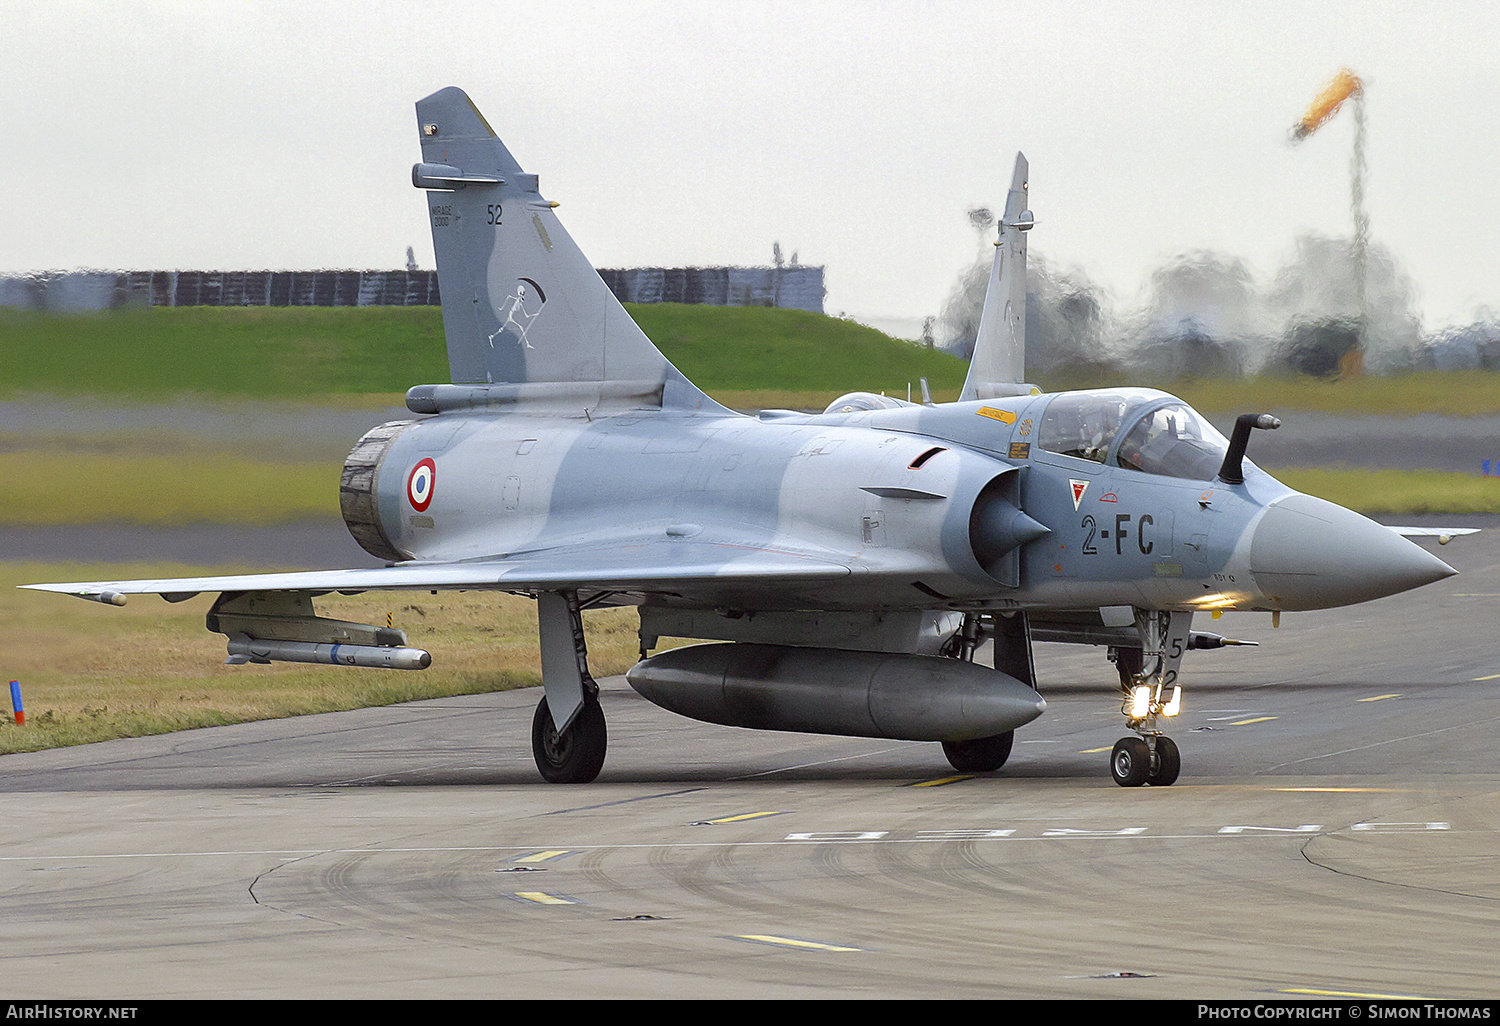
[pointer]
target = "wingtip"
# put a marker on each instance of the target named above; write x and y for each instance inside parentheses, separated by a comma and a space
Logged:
(104, 595)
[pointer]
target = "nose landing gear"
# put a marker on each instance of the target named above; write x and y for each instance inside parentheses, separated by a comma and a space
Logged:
(1151, 757)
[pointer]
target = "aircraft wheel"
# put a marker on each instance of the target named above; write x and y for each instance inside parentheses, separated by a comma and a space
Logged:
(1168, 763)
(981, 755)
(1130, 762)
(575, 756)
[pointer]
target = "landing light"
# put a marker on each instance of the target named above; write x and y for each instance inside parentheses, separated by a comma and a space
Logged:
(1140, 702)
(1173, 705)
(1217, 602)
(1146, 700)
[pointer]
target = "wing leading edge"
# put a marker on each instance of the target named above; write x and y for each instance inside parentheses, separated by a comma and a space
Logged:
(646, 566)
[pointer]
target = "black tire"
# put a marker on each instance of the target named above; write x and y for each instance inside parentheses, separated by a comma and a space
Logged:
(1130, 762)
(981, 755)
(575, 756)
(1168, 763)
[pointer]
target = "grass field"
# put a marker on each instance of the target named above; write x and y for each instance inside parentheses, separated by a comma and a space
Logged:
(90, 672)
(1401, 492)
(162, 490)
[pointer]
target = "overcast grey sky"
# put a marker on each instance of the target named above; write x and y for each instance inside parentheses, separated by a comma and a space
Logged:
(264, 134)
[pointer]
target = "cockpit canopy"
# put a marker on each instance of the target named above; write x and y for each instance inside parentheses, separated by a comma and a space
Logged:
(1138, 429)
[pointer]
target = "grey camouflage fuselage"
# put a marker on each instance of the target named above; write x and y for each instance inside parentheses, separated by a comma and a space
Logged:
(855, 561)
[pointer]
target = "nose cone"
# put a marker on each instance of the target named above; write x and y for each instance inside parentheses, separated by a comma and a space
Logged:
(1307, 553)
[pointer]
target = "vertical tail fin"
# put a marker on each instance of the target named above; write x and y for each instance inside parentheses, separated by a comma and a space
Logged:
(522, 305)
(998, 366)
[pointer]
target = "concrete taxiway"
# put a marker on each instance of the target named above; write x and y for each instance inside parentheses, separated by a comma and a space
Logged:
(1335, 831)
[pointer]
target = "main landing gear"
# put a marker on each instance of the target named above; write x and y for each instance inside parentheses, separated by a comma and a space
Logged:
(568, 735)
(1012, 655)
(1150, 757)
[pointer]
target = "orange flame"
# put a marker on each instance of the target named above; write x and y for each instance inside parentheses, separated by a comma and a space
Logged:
(1344, 85)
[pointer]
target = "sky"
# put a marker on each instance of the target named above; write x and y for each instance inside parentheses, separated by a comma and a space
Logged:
(260, 134)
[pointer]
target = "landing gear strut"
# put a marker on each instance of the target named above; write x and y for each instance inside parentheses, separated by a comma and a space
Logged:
(568, 735)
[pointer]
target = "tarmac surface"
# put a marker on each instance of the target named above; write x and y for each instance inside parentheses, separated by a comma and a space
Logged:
(1426, 441)
(1335, 831)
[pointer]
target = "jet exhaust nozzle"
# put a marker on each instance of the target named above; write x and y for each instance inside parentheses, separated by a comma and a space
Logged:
(358, 499)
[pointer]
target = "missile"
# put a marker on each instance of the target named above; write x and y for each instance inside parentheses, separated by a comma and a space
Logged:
(832, 691)
(109, 598)
(244, 649)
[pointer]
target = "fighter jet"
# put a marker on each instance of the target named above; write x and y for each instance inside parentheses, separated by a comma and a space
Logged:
(848, 570)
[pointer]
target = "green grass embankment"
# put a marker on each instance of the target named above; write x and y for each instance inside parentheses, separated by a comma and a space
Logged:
(314, 353)
(268, 353)
(244, 352)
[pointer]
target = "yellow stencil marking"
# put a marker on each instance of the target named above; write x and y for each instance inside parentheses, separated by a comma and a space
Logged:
(940, 781)
(1003, 416)
(747, 815)
(792, 942)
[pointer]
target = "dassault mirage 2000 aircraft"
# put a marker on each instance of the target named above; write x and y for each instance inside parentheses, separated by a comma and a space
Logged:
(850, 564)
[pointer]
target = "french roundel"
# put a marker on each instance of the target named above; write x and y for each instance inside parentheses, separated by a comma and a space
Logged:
(419, 485)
